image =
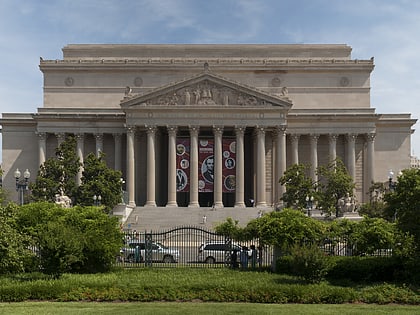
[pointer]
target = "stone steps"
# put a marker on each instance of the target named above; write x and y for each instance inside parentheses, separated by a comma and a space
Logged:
(162, 218)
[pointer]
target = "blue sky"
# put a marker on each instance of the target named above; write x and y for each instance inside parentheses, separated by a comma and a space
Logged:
(385, 29)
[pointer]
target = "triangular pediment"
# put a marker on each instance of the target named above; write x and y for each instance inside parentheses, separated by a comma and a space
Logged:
(206, 89)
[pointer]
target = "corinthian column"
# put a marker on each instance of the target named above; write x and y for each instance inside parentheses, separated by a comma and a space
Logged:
(294, 138)
(332, 147)
(261, 199)
(193, 166)
(370, 151)
(351, 155)
(151, 166)
(131, 166)
(42, 143)
(280, 160)
(240, 167)
(171, 166)
(218, 169)
(314, 156)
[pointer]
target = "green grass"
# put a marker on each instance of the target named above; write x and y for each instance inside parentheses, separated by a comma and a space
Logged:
(201, 308)
(204, 285)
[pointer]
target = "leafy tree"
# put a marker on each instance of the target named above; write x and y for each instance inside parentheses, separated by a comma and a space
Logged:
(78, 239)
(376, 206)
(334, 183)
(57, 175)
(14, 245)
(100, 180)
(403, 203)
(298, 186)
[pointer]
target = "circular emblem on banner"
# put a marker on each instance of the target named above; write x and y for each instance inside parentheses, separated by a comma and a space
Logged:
(232, 147)
(229, 163)
(204, 143)
(226, 154)
(184, 163)
(230, 182)
(181, 180)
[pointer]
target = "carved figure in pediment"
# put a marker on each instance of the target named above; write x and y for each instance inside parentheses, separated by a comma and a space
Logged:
(284, 91)
(187, 96)
(197, 94)
(127, 91)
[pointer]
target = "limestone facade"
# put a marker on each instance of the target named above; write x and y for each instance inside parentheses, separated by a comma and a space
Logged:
(279, 104)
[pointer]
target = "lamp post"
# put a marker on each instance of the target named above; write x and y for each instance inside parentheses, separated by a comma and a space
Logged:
(22, 185)
(391, 184)
(97, 200)
(309, 204)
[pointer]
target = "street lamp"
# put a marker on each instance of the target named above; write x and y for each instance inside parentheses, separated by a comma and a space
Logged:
(22, 185)
(309, 204)
(97, 200)
(391, 184)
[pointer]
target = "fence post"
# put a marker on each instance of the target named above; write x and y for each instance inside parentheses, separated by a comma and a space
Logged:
(148, 249)
(228, 253)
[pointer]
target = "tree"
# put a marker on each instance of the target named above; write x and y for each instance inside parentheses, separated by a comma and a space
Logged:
(77, 239)
(334, 183)
(99, 180)
(57, 175)
(298, 186)
(403, 203)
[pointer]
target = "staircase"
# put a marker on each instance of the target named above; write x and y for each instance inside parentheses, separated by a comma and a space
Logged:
(163, 218)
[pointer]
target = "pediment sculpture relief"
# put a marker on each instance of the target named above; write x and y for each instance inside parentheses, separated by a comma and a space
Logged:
(208, 93)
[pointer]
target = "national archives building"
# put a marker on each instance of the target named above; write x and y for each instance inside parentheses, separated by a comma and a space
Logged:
(210, 125)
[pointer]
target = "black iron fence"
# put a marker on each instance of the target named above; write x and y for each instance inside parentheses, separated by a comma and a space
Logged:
(191, 247)
(198, 247)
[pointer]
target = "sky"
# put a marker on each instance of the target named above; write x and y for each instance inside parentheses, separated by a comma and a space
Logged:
(388, 30)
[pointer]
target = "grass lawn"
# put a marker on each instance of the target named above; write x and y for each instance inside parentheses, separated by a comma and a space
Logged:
(157, 308)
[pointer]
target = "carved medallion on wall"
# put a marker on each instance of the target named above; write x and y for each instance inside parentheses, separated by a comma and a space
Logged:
(138, 81)
(69, 81)
(276, 82)
(344, 81)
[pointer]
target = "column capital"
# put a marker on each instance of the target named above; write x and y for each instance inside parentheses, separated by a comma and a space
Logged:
(314, 137)
(79, 136)
(60, 135)
(117, 135)
(332, 137)
(351, 137)
(172, 129)
(240, 130)
(279, 130)
(41, 135)
(218, 130)
(151, 129)
(370, 137)
(99, 136)
(130, 129)
(294, 137)
(260, 129)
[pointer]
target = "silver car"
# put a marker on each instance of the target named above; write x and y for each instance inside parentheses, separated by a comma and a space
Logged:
(215, 252)
(136, 252)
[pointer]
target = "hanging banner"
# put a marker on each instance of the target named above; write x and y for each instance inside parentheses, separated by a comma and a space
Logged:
(205, 165)
(182, 164)
(229, 165)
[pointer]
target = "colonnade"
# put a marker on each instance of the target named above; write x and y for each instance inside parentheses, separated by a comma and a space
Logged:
(279, 162)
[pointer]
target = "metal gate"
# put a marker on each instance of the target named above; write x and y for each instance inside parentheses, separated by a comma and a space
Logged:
(191, 247)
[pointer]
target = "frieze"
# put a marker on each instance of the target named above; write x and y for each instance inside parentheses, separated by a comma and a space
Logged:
(207, 93)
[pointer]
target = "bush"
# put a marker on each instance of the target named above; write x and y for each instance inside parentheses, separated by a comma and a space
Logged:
(309, 262)
(365, 269)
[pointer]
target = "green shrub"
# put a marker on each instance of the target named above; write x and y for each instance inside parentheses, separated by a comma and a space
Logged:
(365, 269)
(309, 262)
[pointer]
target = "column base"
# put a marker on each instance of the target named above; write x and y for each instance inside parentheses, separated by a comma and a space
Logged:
(239, 205)
(218, 205)
(171, 204)
(194, 205)
(261, 204)
(150, 204)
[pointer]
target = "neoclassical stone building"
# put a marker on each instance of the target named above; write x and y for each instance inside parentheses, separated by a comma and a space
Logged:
(202, 125)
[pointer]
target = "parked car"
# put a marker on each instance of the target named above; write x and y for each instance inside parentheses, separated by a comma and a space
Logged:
(215, 252)
(136, 252)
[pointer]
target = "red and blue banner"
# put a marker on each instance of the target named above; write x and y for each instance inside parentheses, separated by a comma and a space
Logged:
(229, 165)
(182, 164)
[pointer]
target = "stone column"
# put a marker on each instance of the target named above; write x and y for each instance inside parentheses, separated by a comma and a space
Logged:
(314, 156)
(370, 151)
(171, 166)
(294, 138)
(280, 161)
(194, 166)
(351, 154)
(332, 147)
(151, 167)
(61, 136)
(117, 149)
(99, 143)
(130, 183)
(80, 138)
(218, 167)
(42, 143)
(261, 198)
(240, 167)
